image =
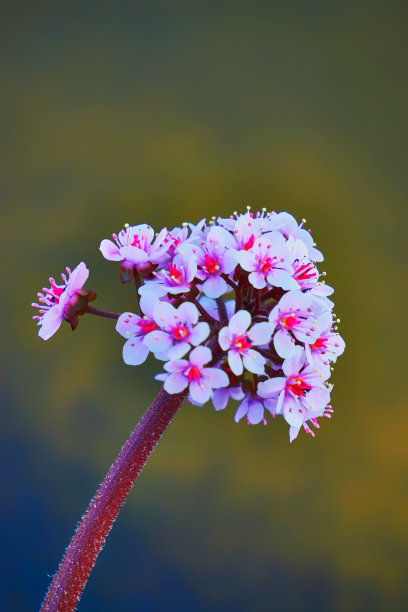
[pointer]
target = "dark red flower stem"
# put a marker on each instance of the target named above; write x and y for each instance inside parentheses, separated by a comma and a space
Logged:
(102, 313)
(203, 312)
(72, 575)
(137, 286)
(222, 312)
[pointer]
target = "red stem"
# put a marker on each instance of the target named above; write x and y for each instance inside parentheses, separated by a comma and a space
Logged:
(72, 575)
(102, 313)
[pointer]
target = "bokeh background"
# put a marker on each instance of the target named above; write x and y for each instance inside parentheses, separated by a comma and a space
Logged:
(162, 112)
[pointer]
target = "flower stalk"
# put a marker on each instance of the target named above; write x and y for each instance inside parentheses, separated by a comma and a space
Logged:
(79, 559)
(102, 313)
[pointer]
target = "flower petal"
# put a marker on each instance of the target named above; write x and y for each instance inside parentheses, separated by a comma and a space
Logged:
(293, 432)
(175, 383)
(110, 250)
(260, 333)
(257, 280)
(199, 333)
(225, 338)
(242, 410)
(255, 413)
(235, 362)
(220, 398)
(159, 342)
(283, 343)
(200, 356)
(271, 387)
(294, 362)
(164, 314)
(240, 322)
(188, 313)
(200, 392)
(134, 254)
(50, 323)
(216, 378)
(247, 261)
(135, 351)
(254, 362)
(214, 287)
(282, 279)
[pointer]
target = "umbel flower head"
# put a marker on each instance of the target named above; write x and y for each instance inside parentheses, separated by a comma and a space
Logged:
(235, 308)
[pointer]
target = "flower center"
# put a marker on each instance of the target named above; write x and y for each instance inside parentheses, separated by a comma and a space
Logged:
(54, 293)
(175, 274)
(136, 242)
(180, 332)
(265, 265)
(289, 321)
(192, 373)
(242, 343)
(304, 272)
(297, 386)
(147, 326)
(249, 243)
(320, 343)
(211, 264)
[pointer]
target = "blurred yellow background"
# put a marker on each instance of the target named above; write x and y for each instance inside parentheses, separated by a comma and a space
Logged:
(162, 112)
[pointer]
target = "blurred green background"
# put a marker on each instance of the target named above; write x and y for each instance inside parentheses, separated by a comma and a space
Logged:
(162, 112)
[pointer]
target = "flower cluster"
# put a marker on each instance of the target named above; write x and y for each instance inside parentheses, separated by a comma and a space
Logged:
(235, 308)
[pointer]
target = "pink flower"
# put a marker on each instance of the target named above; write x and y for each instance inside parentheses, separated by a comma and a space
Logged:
(177, 330)
(55, 302)
(192, 373)
(214, 259)
(222, 396)
(135, 248)
(329, 344)
(176, 278)
(137, 331)
(304, 272)
(245, 230)
(301, 393)
(253, 408)
(268, 261)
(289, 227)
(293, 318)
(238, 341)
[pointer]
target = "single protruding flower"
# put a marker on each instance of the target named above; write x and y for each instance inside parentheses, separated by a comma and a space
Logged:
(193, 374)
(238, 341)
(65, 301)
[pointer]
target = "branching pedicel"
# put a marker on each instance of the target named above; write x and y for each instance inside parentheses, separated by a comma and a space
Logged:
(235, 309)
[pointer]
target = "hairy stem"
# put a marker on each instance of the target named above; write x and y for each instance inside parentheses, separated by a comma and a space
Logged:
(222, 311)
(102, 313)
(76, 565)
(202, 311)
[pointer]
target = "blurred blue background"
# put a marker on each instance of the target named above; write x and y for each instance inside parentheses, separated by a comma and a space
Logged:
(162, 112)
